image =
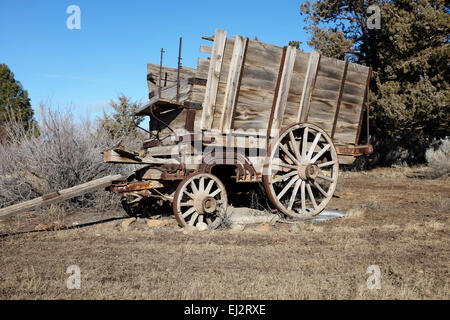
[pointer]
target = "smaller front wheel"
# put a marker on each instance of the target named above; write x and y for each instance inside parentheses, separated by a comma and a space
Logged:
(200, 198)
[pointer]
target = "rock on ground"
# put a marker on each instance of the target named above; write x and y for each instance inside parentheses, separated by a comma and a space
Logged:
(242, 216)
(265, 227)
(127, 222)
(44, 227)
(201, 226)
(237, 227)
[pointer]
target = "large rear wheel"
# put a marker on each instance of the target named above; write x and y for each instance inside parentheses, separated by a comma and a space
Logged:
(302, 170)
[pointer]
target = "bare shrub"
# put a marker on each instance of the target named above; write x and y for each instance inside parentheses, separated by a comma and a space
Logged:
(438, 158)
(65, 153)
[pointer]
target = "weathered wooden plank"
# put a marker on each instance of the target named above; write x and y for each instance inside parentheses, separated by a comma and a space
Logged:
(153, 75)
(297, 81)
(60, 195)
(111, 156)
(205, 49)
(256, 95)
(296, 88)
(324, 111)
(365, 108)
(233, 83)
(213, 79)
(347, 127)
(168, 93)
(263, 55)
(283, 90)
(338, 105)
(202, 68)
(301, 62)
(346, 159)
(313, 64)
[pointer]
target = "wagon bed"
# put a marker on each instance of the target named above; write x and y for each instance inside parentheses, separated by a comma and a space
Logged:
(249, 85)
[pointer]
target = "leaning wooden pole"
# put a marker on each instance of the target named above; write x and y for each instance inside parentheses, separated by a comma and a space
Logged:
(59, 196)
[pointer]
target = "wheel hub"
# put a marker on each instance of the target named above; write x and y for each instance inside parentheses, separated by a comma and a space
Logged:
(203, 203)
(307, 170)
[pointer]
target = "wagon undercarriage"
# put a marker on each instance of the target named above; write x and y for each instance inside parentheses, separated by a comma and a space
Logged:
(252, 112)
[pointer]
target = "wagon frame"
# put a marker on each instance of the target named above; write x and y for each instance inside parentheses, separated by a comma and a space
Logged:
(273, 114)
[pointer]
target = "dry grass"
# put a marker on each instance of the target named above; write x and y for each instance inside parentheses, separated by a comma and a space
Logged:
(399, 224)
(439, 159)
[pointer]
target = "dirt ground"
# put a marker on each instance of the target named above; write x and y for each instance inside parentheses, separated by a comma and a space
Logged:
(397, 222)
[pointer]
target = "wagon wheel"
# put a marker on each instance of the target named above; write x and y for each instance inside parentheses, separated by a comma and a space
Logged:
(200, 197)
(302, 171)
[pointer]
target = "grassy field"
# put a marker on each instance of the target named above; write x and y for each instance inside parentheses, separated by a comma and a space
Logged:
(396, 222)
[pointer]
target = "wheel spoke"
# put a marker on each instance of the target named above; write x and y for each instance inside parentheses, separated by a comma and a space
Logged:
(187, 213)
(321, 176)
(311, 196)
(294, 194)
(190, 195)
(320, 153)
(209, 186)
(304, 142)
(286, 188)
(294, 146)
(320, 189)
(285, 165)
(201, 187)
(194, 187)
(288, 153)
(215, 193)
(313, 146)
(326, 164)
(284, 177)
(188, 203)
(193, 218)
(303, 196)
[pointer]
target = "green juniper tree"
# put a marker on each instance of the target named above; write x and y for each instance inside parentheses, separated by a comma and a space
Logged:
(14, 102)
(121, 122)
(409, 54)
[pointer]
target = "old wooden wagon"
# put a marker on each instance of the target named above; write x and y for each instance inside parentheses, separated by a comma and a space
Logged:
(252, 112)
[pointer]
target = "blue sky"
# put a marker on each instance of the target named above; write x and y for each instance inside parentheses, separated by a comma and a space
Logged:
(84, 69)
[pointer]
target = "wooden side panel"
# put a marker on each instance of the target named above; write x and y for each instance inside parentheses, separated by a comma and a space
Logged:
(308, 85)
(283, 91)
(325, 95)
(221, 88)
(205, 49)
(233, 83)
(215, 67)
(202, 68)
(296, 88)
(311, 88)
(352, 102)
(258, 84)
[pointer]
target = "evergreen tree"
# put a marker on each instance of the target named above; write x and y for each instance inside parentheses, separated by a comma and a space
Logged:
(409, 54)
(120, 122)
(14, 102)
